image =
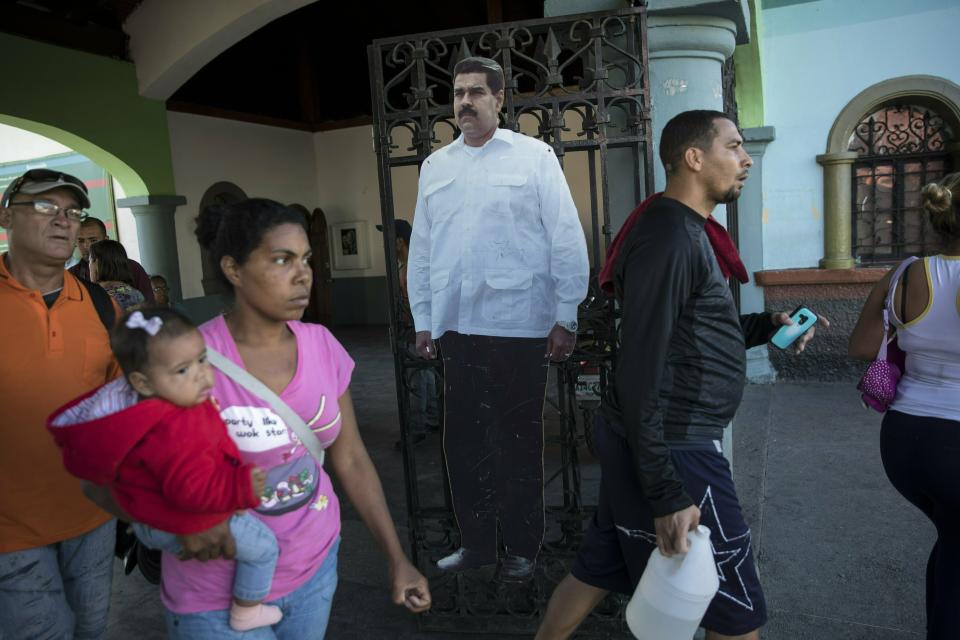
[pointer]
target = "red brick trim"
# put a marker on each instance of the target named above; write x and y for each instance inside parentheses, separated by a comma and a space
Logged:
(785, 277)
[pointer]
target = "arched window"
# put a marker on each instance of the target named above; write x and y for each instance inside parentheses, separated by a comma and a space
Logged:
(901, 147)
(218, 193)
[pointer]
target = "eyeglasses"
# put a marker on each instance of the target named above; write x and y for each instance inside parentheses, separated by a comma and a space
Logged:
(51, 210)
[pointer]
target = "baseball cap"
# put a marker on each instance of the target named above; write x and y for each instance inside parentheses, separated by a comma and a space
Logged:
(42, 180)
(400, 227)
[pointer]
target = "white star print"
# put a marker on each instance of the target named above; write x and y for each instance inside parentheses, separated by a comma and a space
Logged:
(728, 554)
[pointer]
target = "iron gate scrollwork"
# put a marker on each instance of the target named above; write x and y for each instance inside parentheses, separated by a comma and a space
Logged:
(580, 84)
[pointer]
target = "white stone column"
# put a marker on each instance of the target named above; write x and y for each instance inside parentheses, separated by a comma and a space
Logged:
(686, 55)
(750, 236)
(157, 236)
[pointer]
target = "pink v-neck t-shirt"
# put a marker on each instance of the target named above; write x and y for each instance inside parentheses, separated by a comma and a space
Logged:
(298, 505)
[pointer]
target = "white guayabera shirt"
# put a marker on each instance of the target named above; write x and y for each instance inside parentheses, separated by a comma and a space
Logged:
(497, 247)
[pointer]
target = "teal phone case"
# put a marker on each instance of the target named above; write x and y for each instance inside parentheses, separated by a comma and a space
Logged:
(786, 335)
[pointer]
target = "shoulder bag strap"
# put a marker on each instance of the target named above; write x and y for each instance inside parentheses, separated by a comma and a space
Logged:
(888, 304)
(101, 302)
(903, 294)
(257, 388)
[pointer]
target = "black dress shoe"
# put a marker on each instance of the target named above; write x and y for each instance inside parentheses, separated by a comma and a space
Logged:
(463, 559)
(516, 569)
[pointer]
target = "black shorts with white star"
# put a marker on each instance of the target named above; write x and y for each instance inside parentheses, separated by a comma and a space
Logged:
(621, 535)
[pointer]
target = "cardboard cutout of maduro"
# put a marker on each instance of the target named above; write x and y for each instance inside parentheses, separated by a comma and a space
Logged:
(497, 268)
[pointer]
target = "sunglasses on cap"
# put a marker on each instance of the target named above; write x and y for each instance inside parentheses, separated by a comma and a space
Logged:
(37, 181)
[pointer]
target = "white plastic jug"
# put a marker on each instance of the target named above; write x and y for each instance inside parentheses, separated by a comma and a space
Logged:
(674, 593)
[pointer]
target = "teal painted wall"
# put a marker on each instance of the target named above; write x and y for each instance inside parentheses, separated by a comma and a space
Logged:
(817, 56)
(749, 74)
(802, 16)
(89, 103)
(773, 4)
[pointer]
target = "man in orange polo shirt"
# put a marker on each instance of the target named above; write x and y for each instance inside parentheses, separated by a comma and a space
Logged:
(56, 547)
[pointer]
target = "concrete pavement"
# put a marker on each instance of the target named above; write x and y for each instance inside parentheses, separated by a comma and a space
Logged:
(842, 555)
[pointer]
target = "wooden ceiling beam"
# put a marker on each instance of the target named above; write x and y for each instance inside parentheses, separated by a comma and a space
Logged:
(52, 28)
(494, 11)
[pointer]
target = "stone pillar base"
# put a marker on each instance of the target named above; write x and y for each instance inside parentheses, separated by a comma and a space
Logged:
(837, 263)
(759, 369)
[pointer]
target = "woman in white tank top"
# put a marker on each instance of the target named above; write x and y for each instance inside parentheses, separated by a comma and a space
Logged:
(920, 436)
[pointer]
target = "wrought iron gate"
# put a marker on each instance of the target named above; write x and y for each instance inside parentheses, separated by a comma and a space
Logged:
(580, 84)
(729, 83)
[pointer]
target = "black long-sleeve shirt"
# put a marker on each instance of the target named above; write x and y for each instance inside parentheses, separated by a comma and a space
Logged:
(681, 366)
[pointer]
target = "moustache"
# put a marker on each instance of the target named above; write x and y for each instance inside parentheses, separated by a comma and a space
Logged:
(468, 111)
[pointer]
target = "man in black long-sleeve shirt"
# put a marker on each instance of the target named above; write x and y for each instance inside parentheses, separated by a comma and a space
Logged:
(678, 381)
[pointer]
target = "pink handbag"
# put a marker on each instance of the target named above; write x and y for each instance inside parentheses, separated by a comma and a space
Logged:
(878, 386)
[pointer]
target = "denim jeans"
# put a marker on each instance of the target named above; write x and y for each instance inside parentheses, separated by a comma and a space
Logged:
(306, 612)
(257, 553)
(60, 591)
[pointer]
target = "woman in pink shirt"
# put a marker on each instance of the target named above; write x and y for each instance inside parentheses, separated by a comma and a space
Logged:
(264, 256)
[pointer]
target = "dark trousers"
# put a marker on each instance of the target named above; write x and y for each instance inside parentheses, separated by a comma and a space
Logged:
(493, 439)
(920, 457)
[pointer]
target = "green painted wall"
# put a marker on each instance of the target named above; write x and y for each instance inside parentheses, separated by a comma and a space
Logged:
(89, 103)
(749, 68)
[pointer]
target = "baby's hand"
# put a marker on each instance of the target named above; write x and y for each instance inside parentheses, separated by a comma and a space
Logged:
(259, 479)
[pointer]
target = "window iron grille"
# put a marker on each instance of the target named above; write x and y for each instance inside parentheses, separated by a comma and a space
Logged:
(902, 147)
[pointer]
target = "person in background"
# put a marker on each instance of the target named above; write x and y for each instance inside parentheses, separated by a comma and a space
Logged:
(161, 290)
(110, 269)
(93, 231)
(920, 435)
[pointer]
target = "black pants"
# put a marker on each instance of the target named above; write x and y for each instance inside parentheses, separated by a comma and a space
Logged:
(920, 458)
(621, 535)
(493, 439)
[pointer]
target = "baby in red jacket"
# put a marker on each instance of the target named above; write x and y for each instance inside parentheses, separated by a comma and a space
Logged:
(157, 441)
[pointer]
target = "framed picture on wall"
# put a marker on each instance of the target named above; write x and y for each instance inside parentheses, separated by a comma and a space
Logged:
(350, 246)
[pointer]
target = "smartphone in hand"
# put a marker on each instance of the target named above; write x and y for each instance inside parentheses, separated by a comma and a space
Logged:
(803, 321)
